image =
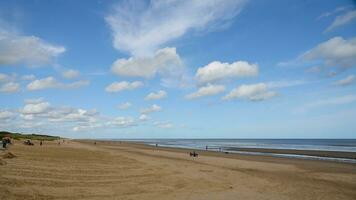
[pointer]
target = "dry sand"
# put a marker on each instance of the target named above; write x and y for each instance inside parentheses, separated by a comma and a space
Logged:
(113, 170)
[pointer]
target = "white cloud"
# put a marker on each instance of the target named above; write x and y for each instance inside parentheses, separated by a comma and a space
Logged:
(216, 71)
(347, 99)
(30, 50)
(28, 77)
(123, 85)
(51, 82)
(165, 62)
(144, 117)
(341, 20)
(6, 115)
(38, 110)
(207, 90)
(141, 28)
(72, 115)
(10, 87)
(346, 81)
(314, 70)
(87, 127)
(124, 106)
(38, 114)
(158, 95)
(76, 84)
(153, 108)
(285, 83)
(122, 122)
(253, 92)
(44, 83)
(164, 125)
(337, 10)
(35, 108)
(33, 101)
(82, 128)
(4, 77)
(8, 77)
(70, 74)
(336, 52)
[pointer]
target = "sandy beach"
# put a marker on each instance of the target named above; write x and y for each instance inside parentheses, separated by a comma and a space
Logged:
(114, 170)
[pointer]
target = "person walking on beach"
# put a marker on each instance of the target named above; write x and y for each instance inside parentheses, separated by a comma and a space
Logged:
(4, 143)
(41, 143)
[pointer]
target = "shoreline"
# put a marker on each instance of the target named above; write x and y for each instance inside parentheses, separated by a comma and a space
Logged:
(250, 153)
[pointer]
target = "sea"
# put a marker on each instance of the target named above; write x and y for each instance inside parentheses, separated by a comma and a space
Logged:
(229, 145)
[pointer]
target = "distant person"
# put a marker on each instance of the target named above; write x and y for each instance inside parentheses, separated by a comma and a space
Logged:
(156, 145)
(206, 147)
(193, 154)
(95, 143)
(4, 143)
(41, 143)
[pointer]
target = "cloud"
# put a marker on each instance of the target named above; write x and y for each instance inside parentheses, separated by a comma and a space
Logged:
(42, 111)
(29, 50)
(216, 71)
(74, 85)
(33, 101)
(70, 74)
(28, 77)
(38, 114)
(68, 114)
(122, 122)
(336, 52)
(165, 62)
(346, 81)
(346, 99)
(51, 82)
(86, 127)
(337, 10)
(10, 87)
(164, 125)
(124, 106)
(3, 77)
(153, 108)
(142, 27)
(253, 92)
(35, 108)
(285, 83)
(158, 95)
(6, 77)
(207, 90)
(342, 20)
(314, 70)
(44, 83)
(123, 85)
(144, 117)
(6, 115)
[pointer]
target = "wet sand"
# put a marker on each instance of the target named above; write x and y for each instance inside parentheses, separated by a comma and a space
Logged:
(329, 154)
(114, 170)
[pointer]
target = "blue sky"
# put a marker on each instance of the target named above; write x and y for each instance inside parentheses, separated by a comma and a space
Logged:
(179, 69)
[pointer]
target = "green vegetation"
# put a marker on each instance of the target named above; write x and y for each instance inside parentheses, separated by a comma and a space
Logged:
(18, 136)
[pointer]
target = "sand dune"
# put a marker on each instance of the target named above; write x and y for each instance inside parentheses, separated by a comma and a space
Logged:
(112, 170)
